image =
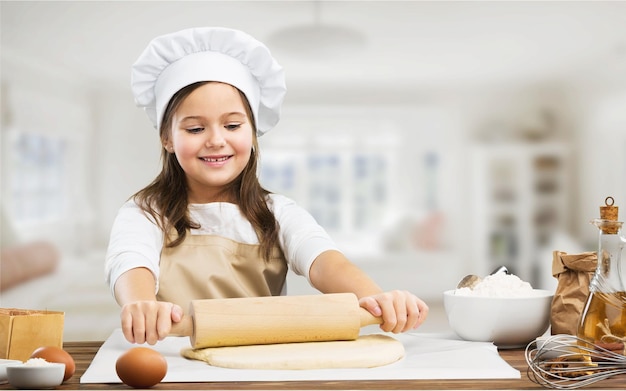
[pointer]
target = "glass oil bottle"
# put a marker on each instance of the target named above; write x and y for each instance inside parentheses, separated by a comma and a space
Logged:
(603, 320)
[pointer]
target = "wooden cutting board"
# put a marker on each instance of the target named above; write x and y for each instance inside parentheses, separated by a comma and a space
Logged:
(365, 352)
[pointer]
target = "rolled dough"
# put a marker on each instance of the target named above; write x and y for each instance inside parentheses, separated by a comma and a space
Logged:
(365, 352)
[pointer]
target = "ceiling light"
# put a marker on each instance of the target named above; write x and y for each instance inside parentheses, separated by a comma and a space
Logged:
(317, 38)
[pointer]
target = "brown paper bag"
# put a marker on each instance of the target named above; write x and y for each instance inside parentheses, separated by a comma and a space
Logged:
(22, 331)
(574, 273)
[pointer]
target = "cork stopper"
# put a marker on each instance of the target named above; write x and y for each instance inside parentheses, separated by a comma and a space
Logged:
(609, 214)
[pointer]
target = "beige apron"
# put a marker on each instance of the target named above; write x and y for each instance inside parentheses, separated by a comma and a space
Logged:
(213, 267)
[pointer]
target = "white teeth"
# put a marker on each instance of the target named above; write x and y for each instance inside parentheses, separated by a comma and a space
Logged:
(221, 159)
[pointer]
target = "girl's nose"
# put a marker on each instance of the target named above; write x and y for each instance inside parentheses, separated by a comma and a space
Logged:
(215, 138)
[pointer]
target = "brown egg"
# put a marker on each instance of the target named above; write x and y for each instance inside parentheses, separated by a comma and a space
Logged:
(141, 367)
(58, 355)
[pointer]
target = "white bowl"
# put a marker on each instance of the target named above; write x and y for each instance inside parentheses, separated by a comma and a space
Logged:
(507, 322)
(35, 377)
(3, 368)
(552, 346)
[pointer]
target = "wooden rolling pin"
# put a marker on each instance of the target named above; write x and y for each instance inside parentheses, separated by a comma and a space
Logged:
(275, 319)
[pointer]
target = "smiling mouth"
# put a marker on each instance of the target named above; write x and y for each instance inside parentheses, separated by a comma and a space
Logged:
(215, 160)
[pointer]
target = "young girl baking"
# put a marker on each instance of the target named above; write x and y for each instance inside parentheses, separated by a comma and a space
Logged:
(205, 228)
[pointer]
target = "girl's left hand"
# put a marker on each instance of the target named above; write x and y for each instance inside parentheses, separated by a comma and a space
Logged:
(400, 310)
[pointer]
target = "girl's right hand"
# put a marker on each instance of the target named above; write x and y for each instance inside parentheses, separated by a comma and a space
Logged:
(149, 320)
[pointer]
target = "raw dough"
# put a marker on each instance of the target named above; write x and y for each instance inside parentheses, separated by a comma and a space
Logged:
(365, 352)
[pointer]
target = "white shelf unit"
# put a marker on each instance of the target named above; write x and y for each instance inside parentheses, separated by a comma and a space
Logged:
(520, 199)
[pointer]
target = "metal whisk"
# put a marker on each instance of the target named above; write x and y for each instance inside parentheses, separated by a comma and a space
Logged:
(567, 362)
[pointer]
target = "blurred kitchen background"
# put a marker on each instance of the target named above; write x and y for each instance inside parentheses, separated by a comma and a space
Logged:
(431, 139)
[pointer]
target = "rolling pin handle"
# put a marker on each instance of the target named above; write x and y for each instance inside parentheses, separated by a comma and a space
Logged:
(367, 318)
(184, 328)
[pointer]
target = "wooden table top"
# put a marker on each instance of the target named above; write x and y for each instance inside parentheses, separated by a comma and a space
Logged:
(84, 352)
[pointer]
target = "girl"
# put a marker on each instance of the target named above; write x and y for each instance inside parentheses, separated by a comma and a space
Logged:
(205, 228)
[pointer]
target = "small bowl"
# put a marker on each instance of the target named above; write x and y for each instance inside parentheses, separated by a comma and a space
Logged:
(507, 322)
(36, 377)
(3, 368)
(552, 346)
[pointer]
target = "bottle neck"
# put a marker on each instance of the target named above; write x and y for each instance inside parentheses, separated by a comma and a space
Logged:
(608, 275)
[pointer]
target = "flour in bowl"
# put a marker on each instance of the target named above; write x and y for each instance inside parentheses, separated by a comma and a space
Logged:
(36, 362)
(498, 285)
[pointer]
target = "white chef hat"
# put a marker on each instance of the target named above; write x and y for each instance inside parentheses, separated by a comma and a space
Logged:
(176, 60)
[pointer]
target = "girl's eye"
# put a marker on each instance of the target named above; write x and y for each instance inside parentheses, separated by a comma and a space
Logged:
(232, 126)
(195, 130)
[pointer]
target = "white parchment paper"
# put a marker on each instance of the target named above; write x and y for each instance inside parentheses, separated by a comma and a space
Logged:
(428, 356)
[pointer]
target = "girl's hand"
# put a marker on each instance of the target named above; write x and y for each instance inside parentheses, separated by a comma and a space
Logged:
(149, 320)
(400, 310)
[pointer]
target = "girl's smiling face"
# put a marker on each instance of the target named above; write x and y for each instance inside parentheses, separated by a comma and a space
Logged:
(212, 137)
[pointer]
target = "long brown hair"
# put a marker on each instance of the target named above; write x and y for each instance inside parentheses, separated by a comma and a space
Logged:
(165, 199)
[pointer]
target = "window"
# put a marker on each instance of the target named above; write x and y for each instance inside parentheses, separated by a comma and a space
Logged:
(377, 179)
(36, 177)
(345, 191)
